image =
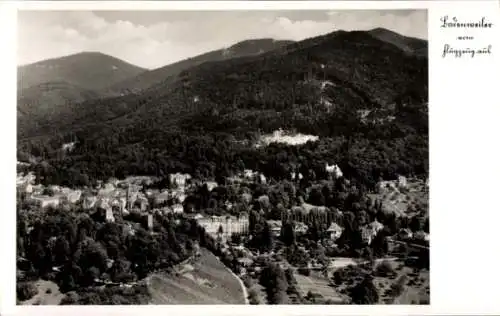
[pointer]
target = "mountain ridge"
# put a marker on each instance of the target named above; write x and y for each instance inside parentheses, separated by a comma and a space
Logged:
(361, 69)
(89, 70)
(155, 76)
(411, 45)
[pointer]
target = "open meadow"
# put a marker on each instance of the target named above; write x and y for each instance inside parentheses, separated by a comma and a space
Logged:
(207, 281)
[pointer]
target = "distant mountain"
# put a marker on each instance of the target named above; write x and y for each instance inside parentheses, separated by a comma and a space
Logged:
(311, 85)
(46, 89)
(150, 78)
(40, 103)
(315, 86)
(42, 97)
(411, 45)
(87, 70)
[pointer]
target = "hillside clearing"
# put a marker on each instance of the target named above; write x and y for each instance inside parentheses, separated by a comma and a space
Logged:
(48, 294)
(413, 289)
(317, 285)
(207, 281)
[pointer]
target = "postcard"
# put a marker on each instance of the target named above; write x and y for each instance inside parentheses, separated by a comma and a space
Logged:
(219, 157)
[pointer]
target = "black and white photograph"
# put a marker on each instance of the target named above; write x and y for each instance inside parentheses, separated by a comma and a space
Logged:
(230, 157)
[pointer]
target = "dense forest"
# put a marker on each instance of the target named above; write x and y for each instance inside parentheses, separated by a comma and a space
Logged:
(77, 251)
(365, 153)
(204, 120)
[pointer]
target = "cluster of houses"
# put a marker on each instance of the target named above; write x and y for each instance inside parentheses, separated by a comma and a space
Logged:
(391, 185)
(45, 196)
(334, 171)
(334, 230)
(117, 198)
(114, 197)
(247, 176)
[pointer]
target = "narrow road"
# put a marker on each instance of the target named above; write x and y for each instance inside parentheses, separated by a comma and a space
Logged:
(409, 244)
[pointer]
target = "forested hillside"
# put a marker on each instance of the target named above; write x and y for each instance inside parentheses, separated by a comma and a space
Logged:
(150, 78)
(201, 120)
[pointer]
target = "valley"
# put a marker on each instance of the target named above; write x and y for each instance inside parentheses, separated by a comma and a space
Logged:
(265, 172)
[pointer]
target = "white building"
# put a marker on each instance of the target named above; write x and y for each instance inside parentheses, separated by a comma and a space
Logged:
(371, 230)
(402, 182)
(106, 190)
(89, 202)
(300, 228)
(179, 195)
(229, 225)
(198, 216)
(45, 201)
(150, 221)
(335, 231)
(177, 208)
(110, 218)
(74, 196)
(262, 178)
(162, 197)
(179, 179)
(141, 203)
(249, 174)
(297, 176)
(211, 185)
(26, 188)
(68, 146)
(334, 170)
(29, 178)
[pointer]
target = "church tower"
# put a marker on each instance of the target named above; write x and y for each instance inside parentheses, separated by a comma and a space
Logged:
(128, 198)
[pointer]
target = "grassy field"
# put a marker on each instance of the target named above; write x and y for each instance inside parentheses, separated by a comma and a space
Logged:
(317, 285)
(48, 294)
(399, 284)
(405, 202)
(207, 281)
(405, 287)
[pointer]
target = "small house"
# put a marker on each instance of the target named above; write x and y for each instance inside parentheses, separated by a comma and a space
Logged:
(198, 216)
(335, 231)
(405, 233)
(300, 228)
(74, 196)
(110, 218)
(211, 185)
(371, 230)
(45, 201)
(275, 227)
(334, 170)
(402, 182)
(177, 208)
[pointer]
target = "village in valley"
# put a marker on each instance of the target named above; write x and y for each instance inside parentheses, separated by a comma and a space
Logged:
(253, 233)
(261, 165)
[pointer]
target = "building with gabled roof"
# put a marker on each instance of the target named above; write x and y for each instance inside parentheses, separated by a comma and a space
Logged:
(368, 232)
(335, 231)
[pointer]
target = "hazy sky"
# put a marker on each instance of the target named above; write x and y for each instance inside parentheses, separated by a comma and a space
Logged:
(152, 39)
